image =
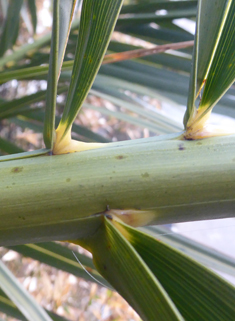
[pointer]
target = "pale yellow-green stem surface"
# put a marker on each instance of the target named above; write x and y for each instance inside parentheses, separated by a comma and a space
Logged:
(64, 144)
(198, 127)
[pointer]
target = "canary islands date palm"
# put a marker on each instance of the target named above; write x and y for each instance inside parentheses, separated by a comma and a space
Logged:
(96, 193)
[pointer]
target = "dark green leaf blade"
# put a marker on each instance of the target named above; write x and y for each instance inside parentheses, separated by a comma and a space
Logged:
(208, 34)
(49, 123)
(9, 147)
(66, 11)
(121, 265)
(152, 6)
(62, 19)
(33, 12)
(25, 303)
(33, 153)
(11, 26)
(198, 293)
(152, 17)
(191, 109)
(10, 309)
(222, 72)
(213, 61)
(197, 251)
(97, 23)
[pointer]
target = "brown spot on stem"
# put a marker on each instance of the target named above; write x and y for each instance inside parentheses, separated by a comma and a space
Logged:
(17, 169)
(68, 180)
(120, 157)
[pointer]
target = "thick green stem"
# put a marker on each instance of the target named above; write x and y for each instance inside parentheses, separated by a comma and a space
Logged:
(54, 197)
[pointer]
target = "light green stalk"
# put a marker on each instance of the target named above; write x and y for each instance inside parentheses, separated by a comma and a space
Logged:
(56, 197)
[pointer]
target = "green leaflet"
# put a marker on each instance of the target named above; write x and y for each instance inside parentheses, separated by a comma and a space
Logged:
(49, 123)
(24, 50)
(120, 264)
(97, 23)
(197, 292)
(11, 26)
(21, 155)
(199, 252)
(152, 6)
(9, 308)
(62, 19)
(33, 12)
(15, 291)
(9, 147)
(15, 106)
(208, 30)
(144, 18)
(222, 71)
(213, 60)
